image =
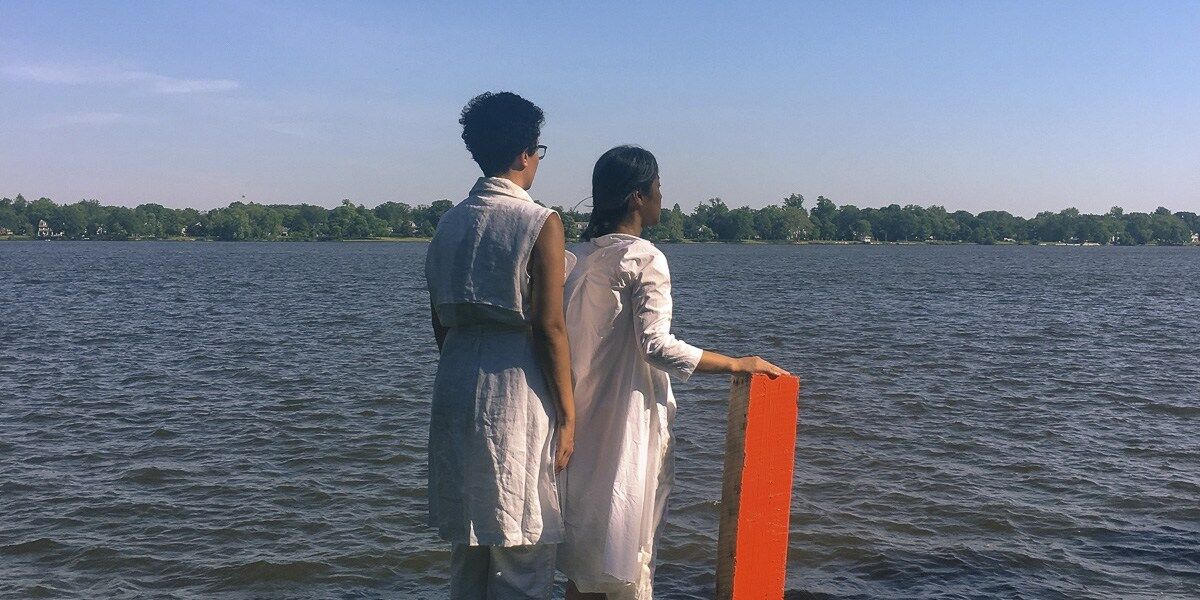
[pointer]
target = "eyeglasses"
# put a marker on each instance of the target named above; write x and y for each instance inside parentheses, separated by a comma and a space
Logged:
(541, 151)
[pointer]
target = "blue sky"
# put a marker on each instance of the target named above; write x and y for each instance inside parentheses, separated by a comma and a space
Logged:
(972, 105)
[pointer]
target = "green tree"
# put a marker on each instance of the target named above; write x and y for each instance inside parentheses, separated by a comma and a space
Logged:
(308, 222)
(738, 226)
(230, 224)
(914, 226)
(791, 222)
(1138, 229)
(1094, 228)
(887, 223)
(861, 229)
(1191, 219)
(121, 223)
(941, 225)
(1000, 224)
(845, 220)
(266, 222)
(712, 215)
(73, 221)
(155, 220)
(427, 217)
(1051, 227)
(1169, 230)
(965, 225)
(796, 224)
(669, 227)
(768, 223)
(398, 216)
(346, 222)
(8, 215)
(822, 216)
(674, 222)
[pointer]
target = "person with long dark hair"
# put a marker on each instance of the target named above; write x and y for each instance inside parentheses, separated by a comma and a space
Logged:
(618, 308)
(502, 417)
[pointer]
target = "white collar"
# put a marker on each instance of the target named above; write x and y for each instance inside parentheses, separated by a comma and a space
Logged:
(610, 239)
(499, 186)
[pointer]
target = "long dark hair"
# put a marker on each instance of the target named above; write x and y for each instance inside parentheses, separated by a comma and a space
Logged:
(618, 174)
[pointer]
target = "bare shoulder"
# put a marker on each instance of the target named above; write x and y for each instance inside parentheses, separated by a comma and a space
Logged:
(551, 236)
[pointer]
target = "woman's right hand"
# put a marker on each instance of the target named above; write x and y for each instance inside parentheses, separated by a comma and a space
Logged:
(752, 364)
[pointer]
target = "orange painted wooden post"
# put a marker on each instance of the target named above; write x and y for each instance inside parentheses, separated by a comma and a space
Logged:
(760, 450)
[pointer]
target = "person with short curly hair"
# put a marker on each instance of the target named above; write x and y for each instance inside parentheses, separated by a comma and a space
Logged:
(499, 126)
(502, 418)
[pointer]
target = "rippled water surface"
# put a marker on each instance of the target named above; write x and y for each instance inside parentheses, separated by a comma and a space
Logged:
(248, 420)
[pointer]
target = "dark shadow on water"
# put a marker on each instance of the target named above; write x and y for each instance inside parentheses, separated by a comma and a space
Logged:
(801, 595)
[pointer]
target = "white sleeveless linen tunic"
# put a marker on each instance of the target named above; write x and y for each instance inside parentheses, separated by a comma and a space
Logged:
(491, 433)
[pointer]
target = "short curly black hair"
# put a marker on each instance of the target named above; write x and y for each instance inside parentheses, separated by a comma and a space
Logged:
(499, 126)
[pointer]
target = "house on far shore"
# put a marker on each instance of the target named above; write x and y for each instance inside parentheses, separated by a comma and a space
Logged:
(43, 230)
(5, 231)
(865, 239)
(1196, 238)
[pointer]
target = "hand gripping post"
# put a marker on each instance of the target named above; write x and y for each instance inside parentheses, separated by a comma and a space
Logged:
(760, 450)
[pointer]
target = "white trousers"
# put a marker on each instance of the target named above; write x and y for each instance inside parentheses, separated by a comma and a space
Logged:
(502, 572)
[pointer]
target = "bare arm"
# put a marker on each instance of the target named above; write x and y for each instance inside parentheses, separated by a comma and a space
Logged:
(712, 362)
(547, 270)
(653, 309)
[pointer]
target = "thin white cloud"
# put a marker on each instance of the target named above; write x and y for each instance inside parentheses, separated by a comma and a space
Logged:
(82, 119)
(59, 74)
(102, 75)
(170, 85)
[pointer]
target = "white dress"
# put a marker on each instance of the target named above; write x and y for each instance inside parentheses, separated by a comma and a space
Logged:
(618, 308)
(491, 442)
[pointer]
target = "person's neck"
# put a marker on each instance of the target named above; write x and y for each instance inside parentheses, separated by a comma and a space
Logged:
(630, 225)
(517, 177)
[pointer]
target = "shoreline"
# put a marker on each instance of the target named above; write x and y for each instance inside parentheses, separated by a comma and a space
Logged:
(411, 240)
(18, 238)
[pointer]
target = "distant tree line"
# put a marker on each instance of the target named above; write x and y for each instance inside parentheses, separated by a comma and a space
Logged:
(238, 221)
(825, 221)
(712, 220)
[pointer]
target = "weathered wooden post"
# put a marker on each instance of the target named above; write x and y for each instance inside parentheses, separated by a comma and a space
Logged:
(760, 449)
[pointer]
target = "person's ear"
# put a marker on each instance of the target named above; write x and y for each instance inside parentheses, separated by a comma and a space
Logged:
(637, 200)
(520, 162)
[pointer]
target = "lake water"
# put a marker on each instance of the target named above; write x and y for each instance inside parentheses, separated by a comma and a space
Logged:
(187, 420)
